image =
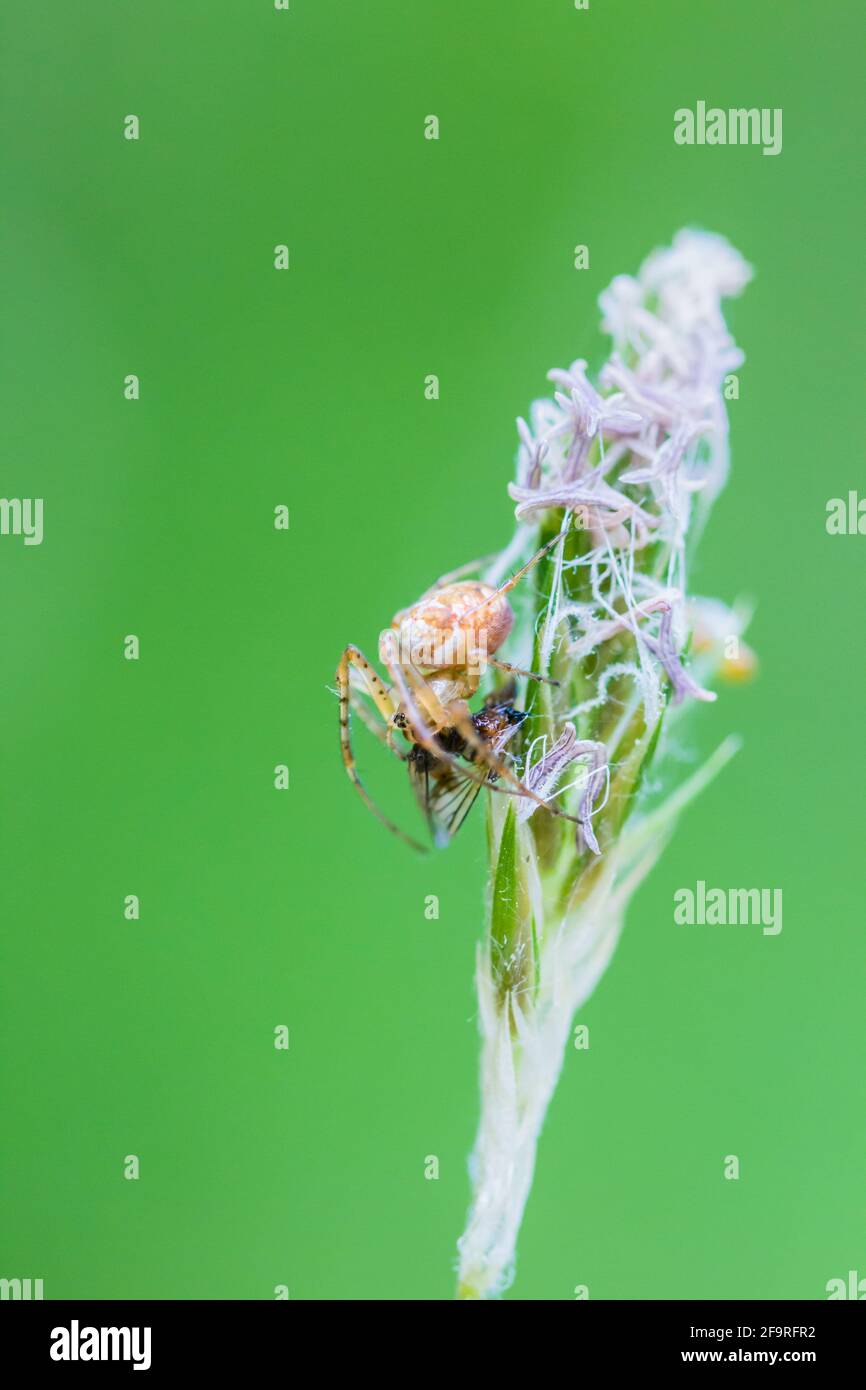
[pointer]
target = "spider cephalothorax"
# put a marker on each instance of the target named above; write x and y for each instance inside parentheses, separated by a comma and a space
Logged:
(435, 653)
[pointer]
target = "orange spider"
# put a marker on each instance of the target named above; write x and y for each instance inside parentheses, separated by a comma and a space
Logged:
(435, 653)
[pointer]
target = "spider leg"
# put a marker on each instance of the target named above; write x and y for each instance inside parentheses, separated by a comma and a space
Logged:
(358, 682)
(384, 733)
(422, 731)
(409, 683)
(519, 671)
(354, 658)
(524, 569)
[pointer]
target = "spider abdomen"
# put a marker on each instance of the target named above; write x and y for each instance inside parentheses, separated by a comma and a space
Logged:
(454, 627)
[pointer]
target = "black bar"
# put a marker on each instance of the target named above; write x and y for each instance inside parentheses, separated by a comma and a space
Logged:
(225, 1337)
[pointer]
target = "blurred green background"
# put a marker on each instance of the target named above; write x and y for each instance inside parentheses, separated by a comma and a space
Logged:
(261, 907)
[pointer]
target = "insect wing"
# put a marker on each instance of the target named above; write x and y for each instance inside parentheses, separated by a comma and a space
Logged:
(445, 796)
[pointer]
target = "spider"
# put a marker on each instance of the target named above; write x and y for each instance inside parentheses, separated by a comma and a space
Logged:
(434, 653)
